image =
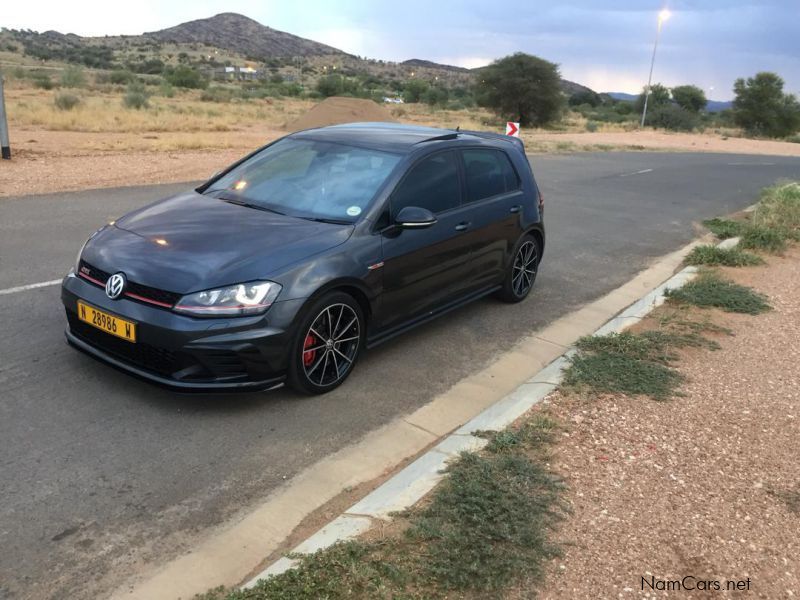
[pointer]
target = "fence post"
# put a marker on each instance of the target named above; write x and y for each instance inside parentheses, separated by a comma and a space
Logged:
(4, 147)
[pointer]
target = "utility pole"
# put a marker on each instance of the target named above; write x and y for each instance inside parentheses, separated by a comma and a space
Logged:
(6, 149)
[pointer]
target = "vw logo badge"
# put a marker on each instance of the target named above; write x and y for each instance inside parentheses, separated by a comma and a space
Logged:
(115, 285)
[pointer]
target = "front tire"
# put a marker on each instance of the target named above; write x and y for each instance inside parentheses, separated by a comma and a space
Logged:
(327, 345)
(522, 270)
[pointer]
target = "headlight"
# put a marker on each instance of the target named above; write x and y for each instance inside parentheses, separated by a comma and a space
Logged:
(235, 300)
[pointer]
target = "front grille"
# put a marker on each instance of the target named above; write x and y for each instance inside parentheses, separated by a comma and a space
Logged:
(143, 292)
(151, 358)
(206, 364)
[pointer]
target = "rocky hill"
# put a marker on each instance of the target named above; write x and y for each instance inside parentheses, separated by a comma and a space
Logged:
(240, 34)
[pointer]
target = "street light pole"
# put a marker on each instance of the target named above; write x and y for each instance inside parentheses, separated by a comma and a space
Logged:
(662, 16)
(5, 149)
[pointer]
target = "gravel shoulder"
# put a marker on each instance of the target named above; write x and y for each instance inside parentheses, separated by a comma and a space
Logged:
(704, 485)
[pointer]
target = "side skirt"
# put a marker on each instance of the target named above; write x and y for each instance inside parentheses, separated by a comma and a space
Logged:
(384, 336)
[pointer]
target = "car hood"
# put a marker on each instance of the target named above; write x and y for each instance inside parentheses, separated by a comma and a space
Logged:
(192, 242)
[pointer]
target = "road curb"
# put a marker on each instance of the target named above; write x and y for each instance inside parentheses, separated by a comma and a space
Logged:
(410, 484)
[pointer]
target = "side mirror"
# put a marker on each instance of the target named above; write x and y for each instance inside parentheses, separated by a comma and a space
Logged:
(414, 217)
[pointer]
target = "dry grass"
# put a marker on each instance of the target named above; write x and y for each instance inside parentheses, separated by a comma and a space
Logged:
(104, 112)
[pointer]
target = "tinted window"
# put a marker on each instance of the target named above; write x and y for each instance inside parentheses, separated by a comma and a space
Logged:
(431, 183)
(311, 179)
(489, 173)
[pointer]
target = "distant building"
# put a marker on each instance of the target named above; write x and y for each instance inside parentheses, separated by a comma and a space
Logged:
(236, 73)
(394, 100)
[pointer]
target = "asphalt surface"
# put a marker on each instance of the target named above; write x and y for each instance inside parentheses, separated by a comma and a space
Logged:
(99, 471)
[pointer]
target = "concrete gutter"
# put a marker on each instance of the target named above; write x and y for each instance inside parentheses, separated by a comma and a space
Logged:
(409, 485)
(489, 399)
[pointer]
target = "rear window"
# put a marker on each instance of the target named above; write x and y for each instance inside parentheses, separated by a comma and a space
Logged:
(489, 173)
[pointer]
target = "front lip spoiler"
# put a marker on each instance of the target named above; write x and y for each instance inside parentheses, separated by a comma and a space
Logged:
(179, 386)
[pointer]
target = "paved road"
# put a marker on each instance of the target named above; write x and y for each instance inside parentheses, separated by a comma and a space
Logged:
(98, 470)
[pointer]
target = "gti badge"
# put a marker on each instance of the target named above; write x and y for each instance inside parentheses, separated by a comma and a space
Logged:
(115, 285)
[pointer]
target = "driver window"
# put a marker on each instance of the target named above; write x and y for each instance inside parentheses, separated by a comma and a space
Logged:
(432, 183)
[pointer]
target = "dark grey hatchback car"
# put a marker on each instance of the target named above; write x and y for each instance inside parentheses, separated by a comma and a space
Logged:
(289, 263)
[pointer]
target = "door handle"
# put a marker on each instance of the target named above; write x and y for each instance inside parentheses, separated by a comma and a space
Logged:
(463, 226)
(515, 208)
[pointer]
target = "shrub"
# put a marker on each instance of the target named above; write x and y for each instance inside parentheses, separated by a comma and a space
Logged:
(185, 76)
(165, 89)
(121, 77)
(136, 97)
(73, 77)
(43, 81)
(710, 290)
(724, 228)
(216, 94)
(672, 117)
(591, 126)
(729, 257)
(64, 101)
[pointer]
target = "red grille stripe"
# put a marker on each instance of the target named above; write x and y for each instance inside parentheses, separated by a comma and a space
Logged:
(148, 300)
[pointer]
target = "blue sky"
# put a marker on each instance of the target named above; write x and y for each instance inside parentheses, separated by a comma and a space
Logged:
(605, 45)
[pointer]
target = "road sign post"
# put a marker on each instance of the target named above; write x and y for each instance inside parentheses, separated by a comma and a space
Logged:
(4, 147)
(512, 129)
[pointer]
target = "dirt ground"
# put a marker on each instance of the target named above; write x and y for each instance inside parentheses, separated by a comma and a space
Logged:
(662, 140)
(45, 161)
(706, 485)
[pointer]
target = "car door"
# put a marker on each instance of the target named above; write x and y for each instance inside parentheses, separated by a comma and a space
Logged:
(425, 268)
(493, 191)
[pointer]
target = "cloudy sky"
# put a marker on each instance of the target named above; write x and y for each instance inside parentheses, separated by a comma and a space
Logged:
(603, 44)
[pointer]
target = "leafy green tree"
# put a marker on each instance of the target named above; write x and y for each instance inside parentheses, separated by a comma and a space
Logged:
(330, 85)
(585, 97)
(414, 90)
(689, 97)
(436, 96)
(659, 96)
(761, 107)
(522, 88)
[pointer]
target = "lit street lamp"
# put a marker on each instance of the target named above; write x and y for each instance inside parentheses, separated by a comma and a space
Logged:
(662, 16)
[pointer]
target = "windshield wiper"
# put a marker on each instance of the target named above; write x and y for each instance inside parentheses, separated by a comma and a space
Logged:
(324, 220)
(238, 202)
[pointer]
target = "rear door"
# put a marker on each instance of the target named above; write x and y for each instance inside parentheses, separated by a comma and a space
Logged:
(426, 268)
(494, 194)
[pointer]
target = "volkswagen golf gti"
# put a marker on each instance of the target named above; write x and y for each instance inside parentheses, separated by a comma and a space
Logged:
(288, 264)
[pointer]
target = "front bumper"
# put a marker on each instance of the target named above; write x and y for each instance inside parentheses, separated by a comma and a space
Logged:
(186, 353)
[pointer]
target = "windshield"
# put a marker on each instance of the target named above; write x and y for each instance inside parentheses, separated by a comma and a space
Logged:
(308, 179)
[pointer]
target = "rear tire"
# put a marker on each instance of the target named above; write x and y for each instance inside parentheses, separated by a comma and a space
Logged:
(327, 344)
(522, 269)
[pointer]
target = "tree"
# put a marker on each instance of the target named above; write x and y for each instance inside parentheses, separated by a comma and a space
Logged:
(761, 107)
(330, 85)
(414, 90)
(689, 97)
(585, 97)
(187, 77)
(659, 96)
(522, 88)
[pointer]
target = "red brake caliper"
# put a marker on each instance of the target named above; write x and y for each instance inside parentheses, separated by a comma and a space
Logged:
(309, 355)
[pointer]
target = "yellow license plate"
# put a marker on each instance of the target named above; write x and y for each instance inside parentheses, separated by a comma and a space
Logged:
(106, 322)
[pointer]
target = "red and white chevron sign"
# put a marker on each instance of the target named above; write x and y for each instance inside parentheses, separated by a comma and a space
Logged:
(512, 129)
